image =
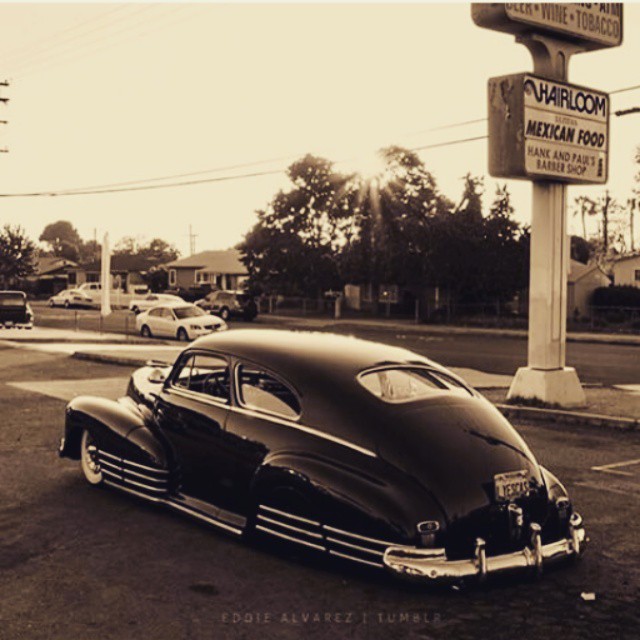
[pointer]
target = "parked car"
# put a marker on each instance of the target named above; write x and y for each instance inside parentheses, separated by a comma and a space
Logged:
(143, 303)
(15, 311)
(230, 304)
(70, 298)
(190, 294)
(347, 448)
(177, 320)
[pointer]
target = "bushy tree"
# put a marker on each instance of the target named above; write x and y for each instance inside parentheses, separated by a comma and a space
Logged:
(63, 239)
(17, 255)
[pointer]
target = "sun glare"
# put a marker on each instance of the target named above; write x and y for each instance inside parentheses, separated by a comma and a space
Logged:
(370, 167)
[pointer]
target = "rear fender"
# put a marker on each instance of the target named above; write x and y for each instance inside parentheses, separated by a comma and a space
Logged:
(371, 500)
(118, 428)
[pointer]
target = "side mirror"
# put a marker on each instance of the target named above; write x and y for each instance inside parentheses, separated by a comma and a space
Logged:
(157, 376)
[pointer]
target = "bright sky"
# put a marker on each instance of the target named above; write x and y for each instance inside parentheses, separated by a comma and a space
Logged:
(106, 93)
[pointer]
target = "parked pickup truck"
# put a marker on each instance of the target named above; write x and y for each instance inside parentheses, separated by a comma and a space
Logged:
(15, 311)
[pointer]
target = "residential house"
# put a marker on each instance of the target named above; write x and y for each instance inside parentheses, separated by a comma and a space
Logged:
(626, 271)
(218, 269)
(51, 275)
(582, 281)
(126, 272)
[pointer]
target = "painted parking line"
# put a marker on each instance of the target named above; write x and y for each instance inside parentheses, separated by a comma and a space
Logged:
(613, 468)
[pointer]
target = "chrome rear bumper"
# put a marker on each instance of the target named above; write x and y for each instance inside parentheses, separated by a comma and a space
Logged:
(433, 564)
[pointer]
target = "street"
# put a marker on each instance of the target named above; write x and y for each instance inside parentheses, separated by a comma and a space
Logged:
(79, 562)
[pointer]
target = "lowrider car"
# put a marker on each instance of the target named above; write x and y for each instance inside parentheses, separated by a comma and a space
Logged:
(355, 450)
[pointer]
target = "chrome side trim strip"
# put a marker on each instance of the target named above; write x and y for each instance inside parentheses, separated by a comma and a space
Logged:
(101, 452)
(374, 552)
(203, 517)
(355, 559)
(133, 492)
(290, 527)
(384, 543)
(123, 471)
(291, 538)
(302, 427)
(143, 466)
(126, 480)
(288, 515)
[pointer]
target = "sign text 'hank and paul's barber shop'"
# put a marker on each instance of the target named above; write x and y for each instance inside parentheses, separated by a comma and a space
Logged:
(546, 130)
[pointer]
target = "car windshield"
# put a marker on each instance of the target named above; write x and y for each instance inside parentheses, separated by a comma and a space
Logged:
(188, 312)
(407, 384)
(12, 300)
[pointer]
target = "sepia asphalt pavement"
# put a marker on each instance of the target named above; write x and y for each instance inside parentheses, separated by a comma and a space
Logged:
(77, 562)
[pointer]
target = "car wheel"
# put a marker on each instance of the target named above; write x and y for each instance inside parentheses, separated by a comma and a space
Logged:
(89, 459)
(145, 332)
(51, 303)
(135, 310)
(182, 335)
(224, 313)
(66, 304)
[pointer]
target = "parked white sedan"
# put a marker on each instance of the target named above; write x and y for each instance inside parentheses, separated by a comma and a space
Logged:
(179, 320)
(150, 300)
(70, 298)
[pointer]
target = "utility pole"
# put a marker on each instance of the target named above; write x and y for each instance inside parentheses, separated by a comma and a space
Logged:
(192, 241)
(605, 221)
(632, 208)
(4, 101)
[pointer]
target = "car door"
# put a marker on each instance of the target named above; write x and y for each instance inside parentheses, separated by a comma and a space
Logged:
(265, 418)
(154, 321)
(165, 322)
(191, 413)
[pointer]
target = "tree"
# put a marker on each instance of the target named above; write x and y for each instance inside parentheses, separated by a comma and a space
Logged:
(17, 255)
(63, 239)
(156, 251)
(580, 249)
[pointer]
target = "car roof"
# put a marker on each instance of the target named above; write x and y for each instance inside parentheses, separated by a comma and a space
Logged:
(297, 352)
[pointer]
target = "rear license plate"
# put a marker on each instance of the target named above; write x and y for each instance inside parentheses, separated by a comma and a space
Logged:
(512, 485)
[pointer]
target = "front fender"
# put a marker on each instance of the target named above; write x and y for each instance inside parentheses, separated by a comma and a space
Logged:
(371, 498)
(118, 428)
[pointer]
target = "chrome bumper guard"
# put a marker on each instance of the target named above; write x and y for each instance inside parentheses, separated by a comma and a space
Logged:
(433, 564)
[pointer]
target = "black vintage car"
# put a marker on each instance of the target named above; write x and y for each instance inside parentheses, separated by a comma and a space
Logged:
(349, 448)
(15, 311)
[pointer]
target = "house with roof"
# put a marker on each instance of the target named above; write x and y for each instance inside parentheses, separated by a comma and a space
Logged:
(51, 275)
(582, 281)
(127, 272)
(626, 271)
(218, 269)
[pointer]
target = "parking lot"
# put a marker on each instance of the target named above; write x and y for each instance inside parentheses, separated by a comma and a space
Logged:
(79, 562)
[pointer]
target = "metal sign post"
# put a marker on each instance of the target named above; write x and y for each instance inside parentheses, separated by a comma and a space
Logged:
(544, 130)
(546, 377)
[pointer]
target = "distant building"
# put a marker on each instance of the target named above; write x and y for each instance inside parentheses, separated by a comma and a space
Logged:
(126, 272)
(583, 280)
(219, 269)
(626, 271)
(51, 275)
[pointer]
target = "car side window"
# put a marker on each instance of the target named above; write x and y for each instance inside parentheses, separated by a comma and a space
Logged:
(206, 375)
(155, 313)
(261, 391)
(166, 314)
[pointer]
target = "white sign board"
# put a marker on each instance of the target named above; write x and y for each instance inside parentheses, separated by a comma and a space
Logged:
(566, 131)
(599, 22)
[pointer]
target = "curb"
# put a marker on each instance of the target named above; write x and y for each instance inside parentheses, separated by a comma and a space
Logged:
(107, 359)
(559, 416)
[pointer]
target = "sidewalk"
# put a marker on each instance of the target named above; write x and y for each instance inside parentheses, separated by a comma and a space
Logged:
(52, 335)
(409, 326)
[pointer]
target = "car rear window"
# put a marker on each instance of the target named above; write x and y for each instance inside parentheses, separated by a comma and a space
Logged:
(405, 384)
(12, 300)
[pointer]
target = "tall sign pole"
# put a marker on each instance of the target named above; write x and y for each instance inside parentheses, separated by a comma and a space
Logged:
(550, 132)
(105, 278)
